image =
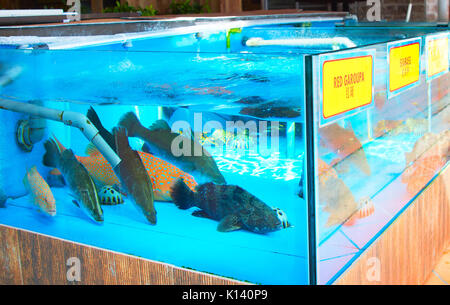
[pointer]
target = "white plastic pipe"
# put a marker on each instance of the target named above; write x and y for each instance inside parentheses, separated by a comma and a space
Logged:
(301, 42)
(408, 13)
(443, 11)
(70, 118)
(10, 75)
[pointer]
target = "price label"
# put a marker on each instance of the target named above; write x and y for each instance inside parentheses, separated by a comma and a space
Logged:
(404, 65)
(437, 55)
(347, 84)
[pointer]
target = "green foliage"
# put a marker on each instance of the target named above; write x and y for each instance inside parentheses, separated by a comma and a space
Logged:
(185, 7)
(148, 11)
(126, 8)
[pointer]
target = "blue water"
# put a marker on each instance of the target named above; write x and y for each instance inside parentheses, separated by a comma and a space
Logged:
(184, 240)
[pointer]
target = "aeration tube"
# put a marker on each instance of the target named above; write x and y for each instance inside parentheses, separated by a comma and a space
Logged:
(70, 118)
(301, 42)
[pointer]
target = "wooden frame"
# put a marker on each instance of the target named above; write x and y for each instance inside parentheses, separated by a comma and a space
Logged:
(409, 249)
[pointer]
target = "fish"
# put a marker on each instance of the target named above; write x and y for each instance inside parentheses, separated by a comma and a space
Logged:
(336, 198)
(366, 209)
(97, 166)
(231, 205)
(162, 174)
(380, 99)
(422, 146)
(55, 178)
(40, 191)
(270, 110)
(385, 126)
(414, 126)
(420, 173)
(429, 154)
(133, 176)
(159, 139)
(81, 185)
(325, 172)
(109, 196)
(345, 144)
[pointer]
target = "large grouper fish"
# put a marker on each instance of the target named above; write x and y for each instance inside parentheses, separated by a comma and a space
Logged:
(77, 177)
(133, 175)
(233, 206)
(158, 141)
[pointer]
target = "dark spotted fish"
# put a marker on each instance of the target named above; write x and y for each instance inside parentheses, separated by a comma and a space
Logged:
(233, 206)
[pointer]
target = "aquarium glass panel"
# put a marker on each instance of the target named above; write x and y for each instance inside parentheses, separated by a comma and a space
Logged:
(237, 213)
(381, 134)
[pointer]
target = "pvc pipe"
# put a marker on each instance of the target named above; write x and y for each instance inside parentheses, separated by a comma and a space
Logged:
(28, 13)
(37, 126)
(301, 42)
(443, 11)
(290, 135)
(408, 13)
(70, 118)
(10, 75)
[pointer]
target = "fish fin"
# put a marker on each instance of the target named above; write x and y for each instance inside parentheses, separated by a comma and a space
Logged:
(104, 133)
(131, 122)
(146, 148)
(52, 154)
(120, 189)
(229, 223)
(68, 154)
(160, 125)
(25, 181)
(182, 195)
(334, 162)
(3, 198)
(61, 147)
(200, 213)
(342, 167)
(92, 150)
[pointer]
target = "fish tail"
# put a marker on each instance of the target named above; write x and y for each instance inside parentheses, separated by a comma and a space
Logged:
(106, 135)
(93, 117)
(52, 155)
(182, 195)
(131, 123)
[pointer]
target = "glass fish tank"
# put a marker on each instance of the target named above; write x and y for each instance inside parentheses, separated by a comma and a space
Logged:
(271, 153)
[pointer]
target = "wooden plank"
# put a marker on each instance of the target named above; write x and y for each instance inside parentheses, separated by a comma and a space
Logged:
(412, 245)
(42, 259)
(155, 274)
(31, 258)
(230, 6)
(97, 6)
(10, 270)
(187, 277)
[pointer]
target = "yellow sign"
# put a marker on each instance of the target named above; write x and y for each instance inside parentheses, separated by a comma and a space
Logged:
(346, 84)
(404, 65)
(437, 56)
